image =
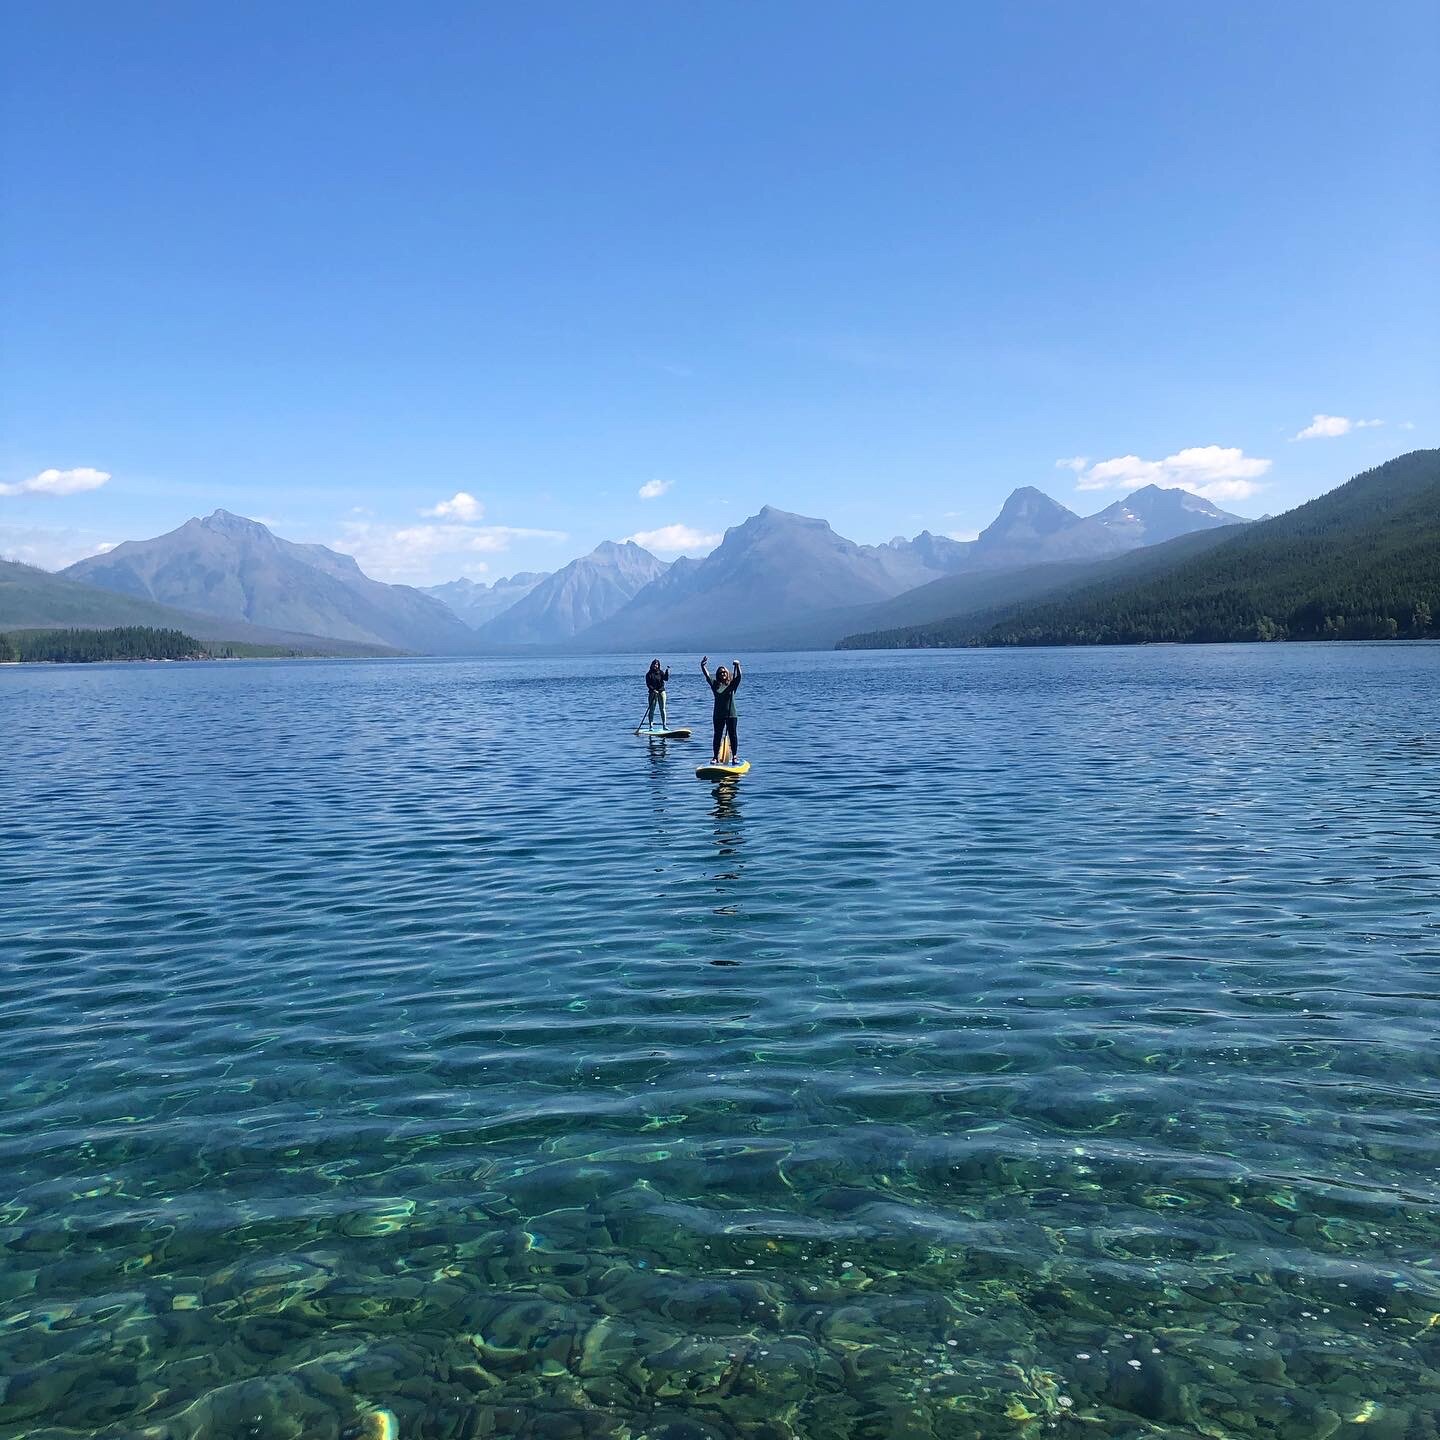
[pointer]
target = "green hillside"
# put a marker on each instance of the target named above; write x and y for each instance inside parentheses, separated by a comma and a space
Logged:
(32, 599)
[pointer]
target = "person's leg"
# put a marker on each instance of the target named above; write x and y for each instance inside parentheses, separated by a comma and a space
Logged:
(650, 711)
(733, 726)
(664, 718)
(715, 741)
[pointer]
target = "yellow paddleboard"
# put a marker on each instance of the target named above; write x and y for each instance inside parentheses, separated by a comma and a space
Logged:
(721, 772)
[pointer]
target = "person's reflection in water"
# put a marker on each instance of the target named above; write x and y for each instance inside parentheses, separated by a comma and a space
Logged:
(729, 835)
(659, 785)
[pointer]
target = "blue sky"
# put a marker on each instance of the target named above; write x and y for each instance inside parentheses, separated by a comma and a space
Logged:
(332, 265)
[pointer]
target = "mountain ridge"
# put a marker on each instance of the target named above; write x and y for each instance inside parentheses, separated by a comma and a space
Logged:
(776, 579)
(845, 583)
(476, 602)
(1157, 514)
(35, 599)
(228, 566)
(1361, 561)
(575, 598)
(774, 563)
(982, 598)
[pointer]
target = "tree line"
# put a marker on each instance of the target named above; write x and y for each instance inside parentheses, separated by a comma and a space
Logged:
(126, 642)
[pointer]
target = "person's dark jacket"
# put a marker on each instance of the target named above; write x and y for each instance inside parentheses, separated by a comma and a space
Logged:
(655, 680)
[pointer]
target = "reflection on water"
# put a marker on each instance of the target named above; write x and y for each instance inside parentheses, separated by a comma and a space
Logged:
(1066, 1062)
(729, 829)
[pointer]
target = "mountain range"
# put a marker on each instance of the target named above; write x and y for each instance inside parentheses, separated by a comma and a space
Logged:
(784, 581)
(1360, 562)
(475, 602)
(769, 573)
(777, 580)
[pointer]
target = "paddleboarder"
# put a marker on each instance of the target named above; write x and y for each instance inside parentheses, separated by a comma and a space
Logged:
(655, 678)
(724, 684)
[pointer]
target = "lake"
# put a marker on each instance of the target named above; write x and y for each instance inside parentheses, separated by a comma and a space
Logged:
(1032, 1041)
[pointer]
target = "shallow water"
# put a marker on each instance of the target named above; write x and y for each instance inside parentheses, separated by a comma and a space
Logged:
(1033, 1041)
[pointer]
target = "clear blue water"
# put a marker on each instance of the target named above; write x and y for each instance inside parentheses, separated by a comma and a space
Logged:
(1032, 1041)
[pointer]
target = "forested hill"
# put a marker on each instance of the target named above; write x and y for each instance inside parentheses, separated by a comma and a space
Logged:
(1362, 562)
(125, 642)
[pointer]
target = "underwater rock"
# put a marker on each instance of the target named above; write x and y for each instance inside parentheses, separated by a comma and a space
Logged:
(605, 1347)
(377, 1425)
(33, 1393)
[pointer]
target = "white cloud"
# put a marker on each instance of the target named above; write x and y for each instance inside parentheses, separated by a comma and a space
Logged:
(1329, 427)
(1407, 424)
(58, 482)
(49, 549)
(460, 506)
(1218, 472)
(676, 540)
(963, 534)
(417, 554)
(1076, 463)
(654, 489)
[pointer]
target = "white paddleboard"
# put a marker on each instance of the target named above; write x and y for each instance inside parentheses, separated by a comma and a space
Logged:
(678, 732)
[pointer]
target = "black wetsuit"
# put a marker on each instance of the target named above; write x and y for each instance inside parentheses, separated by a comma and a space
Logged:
(726, 715)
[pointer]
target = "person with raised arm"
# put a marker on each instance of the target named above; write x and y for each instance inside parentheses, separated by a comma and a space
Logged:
(724, 683)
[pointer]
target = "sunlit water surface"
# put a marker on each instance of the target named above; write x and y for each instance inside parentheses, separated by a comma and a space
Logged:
(1032, 1042)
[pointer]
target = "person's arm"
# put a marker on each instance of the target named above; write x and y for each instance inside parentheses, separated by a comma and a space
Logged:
(738, 677)
(705, 669)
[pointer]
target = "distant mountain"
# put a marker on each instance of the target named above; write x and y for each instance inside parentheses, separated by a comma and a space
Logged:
(475, 602)
(789, 581)
(909, 563)
(936, 552)
(587, 591)
(1034, 529)
(767, 576)
(1361, 562)
(32, 599)
(228, 566)
(1028, 516)
(1151, 516)
(962, 605)
(1031, 529)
